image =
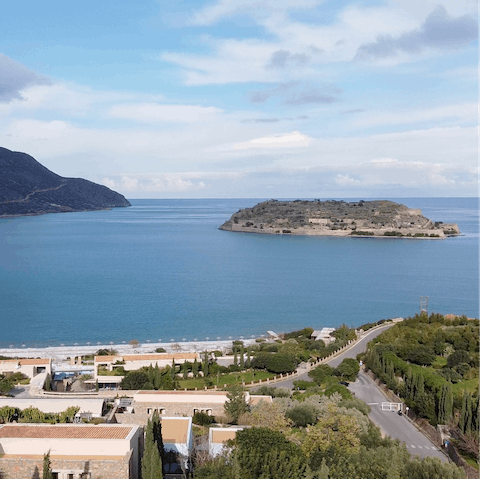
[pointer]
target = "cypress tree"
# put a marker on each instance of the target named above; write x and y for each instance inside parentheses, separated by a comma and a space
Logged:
(448, 403)
(47, 467)
(235, 358)
(248, 363)
(151, 459)
(242, 359)
(205, 365)
(195, 368)
(445, 406)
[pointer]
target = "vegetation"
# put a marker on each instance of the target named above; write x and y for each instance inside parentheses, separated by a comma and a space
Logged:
(47, 467)
(7, 383)
(317, 437)
(152, 455)
(432, 363)
(34, 415)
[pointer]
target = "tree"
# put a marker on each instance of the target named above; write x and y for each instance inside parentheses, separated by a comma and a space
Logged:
(236, 404)
(281, 363)
(151, 459)
(348, 369)
(265, 454)
(47, 467)
(205, 365)
(134, 380)
(302, 415)
(445, 407)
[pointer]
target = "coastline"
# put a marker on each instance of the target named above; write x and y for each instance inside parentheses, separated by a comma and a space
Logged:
(64, 352)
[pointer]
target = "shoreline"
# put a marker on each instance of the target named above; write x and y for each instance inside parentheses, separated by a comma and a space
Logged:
(68, 351)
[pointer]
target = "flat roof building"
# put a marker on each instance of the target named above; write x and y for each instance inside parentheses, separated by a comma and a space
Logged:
(77, 451)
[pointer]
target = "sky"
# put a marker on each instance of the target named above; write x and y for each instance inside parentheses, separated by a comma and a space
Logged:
(246, 98)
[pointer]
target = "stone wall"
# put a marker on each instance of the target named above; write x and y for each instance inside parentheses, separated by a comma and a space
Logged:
(178, 409)
(31, 468)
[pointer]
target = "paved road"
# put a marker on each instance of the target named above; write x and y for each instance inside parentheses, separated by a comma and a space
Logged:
(398, 427)
(359, 347)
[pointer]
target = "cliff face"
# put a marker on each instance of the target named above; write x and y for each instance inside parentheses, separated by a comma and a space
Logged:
(337, 218)
(28, 188)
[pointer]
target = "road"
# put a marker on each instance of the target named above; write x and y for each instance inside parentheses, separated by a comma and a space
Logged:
(393, 425)
(359, 347)
(398, 427)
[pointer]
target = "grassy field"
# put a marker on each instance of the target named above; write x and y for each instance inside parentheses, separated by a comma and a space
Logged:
(232, 378)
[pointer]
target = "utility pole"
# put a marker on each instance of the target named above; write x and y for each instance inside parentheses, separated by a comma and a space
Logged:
(424, 304)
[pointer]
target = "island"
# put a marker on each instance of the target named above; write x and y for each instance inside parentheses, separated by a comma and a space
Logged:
(379, 218)
(28, 188)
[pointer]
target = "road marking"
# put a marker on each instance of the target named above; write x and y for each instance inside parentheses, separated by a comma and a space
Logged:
(372, 403)
(420, 447)
(412, 446)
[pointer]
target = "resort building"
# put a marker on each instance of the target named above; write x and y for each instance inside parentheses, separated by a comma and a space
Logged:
(177, 438)
(324, 335)
(29, 367)
(107, 369)
(178, 403)
(77, 451)
(218, 436)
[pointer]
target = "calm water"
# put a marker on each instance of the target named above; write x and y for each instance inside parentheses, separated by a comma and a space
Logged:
(161, 269)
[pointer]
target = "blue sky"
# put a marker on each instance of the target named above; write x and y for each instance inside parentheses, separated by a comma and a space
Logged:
(246, 98)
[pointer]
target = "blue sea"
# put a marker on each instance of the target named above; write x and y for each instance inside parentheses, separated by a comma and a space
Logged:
(162, 270)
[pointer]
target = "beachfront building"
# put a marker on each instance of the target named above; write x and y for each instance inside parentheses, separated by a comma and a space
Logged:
(77, 451)
(88, 407)
(218, 436)
(324, 335)
(106, 368)
(179, 403)
(29, 367)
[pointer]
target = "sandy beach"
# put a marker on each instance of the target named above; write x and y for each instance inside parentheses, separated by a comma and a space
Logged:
(59, 353)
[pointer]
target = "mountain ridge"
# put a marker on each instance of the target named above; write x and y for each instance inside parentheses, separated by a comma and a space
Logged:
(29, 188)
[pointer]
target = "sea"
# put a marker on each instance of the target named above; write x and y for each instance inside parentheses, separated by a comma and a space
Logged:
(161, 270)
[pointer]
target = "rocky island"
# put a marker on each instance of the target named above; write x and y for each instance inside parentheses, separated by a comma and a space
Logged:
(28, 188)
(338, 218)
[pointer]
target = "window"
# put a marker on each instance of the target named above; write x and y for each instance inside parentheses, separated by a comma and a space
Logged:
(150, 410)
(70, 476)
(161, 411)
(55, 475)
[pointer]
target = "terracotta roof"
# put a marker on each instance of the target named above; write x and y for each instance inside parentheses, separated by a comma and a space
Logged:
(106, 359)
(160, 356)
(26, 362)
(29, 431)
(175, 430)
(146, 357)
(219, 436)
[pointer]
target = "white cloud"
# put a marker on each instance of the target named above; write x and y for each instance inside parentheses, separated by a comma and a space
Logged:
(287, 140)
(227, 8)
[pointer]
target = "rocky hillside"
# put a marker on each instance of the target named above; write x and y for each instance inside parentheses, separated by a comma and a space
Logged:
(337, 218)
(28, 188)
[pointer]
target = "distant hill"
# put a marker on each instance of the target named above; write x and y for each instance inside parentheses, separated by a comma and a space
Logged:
(28, 188)
(338, 218)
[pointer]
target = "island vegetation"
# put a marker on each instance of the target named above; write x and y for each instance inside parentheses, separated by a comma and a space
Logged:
(379, 218)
